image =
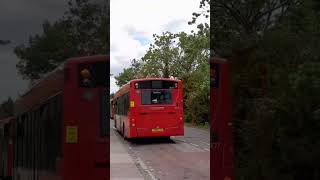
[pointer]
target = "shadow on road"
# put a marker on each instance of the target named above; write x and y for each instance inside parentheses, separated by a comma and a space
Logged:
(153, 140)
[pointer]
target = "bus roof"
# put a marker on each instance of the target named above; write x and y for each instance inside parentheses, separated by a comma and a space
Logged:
(50, 84)
(76, 60)
(124, 88)
(149, 79)
(61, 67)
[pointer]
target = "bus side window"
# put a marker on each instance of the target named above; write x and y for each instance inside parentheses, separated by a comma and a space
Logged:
(126, 103)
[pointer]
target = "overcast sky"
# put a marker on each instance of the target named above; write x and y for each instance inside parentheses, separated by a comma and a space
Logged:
(134, 21)
(132, 24)
(18, 20)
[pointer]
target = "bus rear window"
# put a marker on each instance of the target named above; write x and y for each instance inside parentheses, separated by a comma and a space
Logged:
(93, 74)
(156, 84)
(150, 97)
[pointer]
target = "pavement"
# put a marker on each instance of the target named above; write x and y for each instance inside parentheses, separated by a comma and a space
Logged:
(122, 165)
(180, 158)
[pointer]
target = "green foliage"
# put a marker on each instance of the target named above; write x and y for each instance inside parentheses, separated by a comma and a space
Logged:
(128, 73)
(273, 49)
(4, 42)
(196, 95)
(84, 30)
(125, 76)
(184, 56)
(6, 108)
(160, 59)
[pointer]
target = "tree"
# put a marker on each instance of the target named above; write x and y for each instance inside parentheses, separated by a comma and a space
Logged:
(159, 59)
(271, 45)
(4, 42)
(129, 73)
(125, 76)
(6, 108)
(184, 56)
(82, 31)
(236, 26)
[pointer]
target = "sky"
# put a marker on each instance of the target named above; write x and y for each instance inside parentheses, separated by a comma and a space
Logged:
(18, 20)
(133, 22)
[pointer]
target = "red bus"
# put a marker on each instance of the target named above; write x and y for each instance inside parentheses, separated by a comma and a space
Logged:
(221, 151)
(151, 107)
(6, 148)
(62, 124)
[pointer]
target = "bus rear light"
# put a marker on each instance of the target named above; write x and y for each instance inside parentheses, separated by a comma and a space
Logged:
(133, 125)
(85, 73)
(85, 77)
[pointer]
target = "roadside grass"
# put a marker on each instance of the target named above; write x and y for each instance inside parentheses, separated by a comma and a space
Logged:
(205, 126)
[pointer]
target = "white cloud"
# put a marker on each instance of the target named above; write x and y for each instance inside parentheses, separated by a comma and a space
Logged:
(132, 24)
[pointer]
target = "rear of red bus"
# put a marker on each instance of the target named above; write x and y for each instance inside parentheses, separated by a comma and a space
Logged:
(86, 121)
(222, 150)
(156, 108)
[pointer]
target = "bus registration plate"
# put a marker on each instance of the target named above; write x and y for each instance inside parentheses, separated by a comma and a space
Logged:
(157, 130)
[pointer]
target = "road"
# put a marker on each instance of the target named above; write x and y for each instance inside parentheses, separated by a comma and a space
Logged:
(179, 158)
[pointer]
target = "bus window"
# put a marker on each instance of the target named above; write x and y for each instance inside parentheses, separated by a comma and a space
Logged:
(149, 97)
(156, 84)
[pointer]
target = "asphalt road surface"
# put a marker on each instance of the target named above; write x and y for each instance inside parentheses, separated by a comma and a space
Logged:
(179, 158)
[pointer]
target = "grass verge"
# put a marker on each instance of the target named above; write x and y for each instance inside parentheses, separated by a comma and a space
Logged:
(200, 126)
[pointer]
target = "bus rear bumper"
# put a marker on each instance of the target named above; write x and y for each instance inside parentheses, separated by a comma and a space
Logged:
(169, 131)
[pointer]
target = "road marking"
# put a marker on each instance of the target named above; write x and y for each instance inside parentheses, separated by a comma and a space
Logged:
(194, 144)
(185, 147)
(205, 143)
(206, 149)
(126, 178)
(145, 168)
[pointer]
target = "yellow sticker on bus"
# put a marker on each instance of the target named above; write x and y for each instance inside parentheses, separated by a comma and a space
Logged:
(157, 130)
(132, 104)
(71, 134)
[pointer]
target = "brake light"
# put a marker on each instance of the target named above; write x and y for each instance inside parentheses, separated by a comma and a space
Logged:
(85, 73)
(85, 76)
(133, 123)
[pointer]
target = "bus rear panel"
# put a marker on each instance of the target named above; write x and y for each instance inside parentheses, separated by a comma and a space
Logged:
(155, 109)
